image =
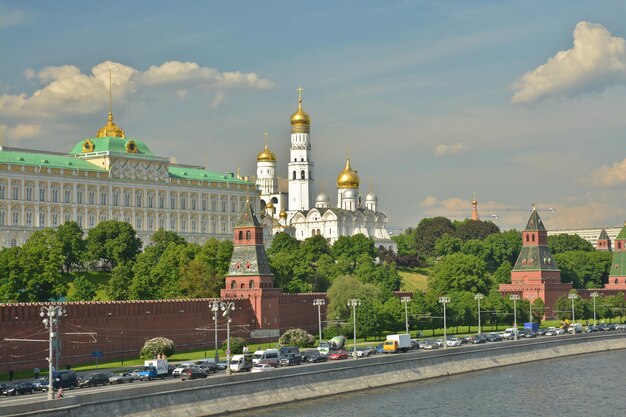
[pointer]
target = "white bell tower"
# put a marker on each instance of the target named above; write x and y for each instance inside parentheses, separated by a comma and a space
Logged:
(300, 165)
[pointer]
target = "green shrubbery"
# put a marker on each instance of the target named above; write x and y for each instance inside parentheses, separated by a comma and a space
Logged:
(236, 345)
(297, 337)
(156, 347)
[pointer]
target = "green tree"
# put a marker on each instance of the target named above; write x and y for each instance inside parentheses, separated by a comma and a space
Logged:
(119, 283)
(500, 248)
(157, 347)
(566, 243)
(584, 269)
(70, 235)
(163, 238)
(502, 275)
(354, 246)
(41, 262)
(475, 229)
(283, 242)
(369, 319)
(196, 281)
(312, 248)
(345, 288)
(113, 242)
(447, 245)
(12, 276)
(428, 231)
(84, 290)
(297, 337)
(236, 345)
(459, 272)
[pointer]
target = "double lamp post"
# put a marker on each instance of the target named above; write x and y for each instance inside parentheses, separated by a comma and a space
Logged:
(51, 317)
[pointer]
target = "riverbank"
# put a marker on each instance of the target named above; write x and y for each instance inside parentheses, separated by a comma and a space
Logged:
(221, 395)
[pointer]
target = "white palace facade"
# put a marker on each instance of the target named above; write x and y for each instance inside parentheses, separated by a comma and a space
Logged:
(111, 177)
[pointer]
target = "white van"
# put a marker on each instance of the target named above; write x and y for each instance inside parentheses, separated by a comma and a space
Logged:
(508, 333)
(241, 363)
(575, 328)
(267, 356)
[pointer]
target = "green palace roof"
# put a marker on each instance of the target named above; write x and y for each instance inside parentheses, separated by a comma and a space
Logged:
(112, 145)
(199, 174)
(45, 160)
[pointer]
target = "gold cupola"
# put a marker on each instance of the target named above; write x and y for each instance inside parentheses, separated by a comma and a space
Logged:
(348, 178)
(266, 155)
(111, 129)
(300, 120)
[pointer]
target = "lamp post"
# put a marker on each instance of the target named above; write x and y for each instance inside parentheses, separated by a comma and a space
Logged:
(478, 297)
(572, 297)
(51, 316)
(319, 302)
(406, 300)
(353, 303)
(530, 307)
(227, 307)
(122, 336)
(594, 295)
(215, 307)
(515, 297)
(444, 301)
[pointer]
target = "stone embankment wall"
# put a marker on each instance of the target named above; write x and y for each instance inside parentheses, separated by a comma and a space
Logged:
(220, 395)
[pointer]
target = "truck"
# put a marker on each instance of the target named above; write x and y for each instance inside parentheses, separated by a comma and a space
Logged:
(241, 363)
(575, 328)
(336, 343)
(152, 369)
(397, 343)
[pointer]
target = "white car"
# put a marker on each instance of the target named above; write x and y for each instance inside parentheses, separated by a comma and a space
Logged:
(262, 367)
(176, 372)
(453, 342)
(363, 352)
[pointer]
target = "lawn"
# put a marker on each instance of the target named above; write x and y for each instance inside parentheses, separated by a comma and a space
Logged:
(414, 279)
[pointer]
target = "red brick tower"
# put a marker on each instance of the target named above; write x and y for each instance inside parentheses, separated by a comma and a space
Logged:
(617, 276)
(604, 242)
(535, 273)
(249, 276)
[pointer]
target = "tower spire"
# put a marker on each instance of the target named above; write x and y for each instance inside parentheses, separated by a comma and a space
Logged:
(474, 208)
(110, 129)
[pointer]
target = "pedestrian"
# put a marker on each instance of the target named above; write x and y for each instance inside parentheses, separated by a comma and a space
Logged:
(10, 375)
(60, 393)
(37, 372)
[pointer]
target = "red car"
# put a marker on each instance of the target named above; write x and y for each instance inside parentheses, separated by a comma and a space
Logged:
(340, 354)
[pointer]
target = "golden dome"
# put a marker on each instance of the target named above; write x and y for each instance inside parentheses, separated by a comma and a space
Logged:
(300, 120)
(110, 129)
(348, 178)
(283, 214)
(269, 205)
(266, 155)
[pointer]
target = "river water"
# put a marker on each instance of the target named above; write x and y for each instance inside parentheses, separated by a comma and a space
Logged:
(589, 385)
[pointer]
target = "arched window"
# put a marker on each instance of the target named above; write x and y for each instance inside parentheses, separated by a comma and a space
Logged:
(616, 281)
(302, 174)
(243, 285)
(233, 285)
(294, 175)
(247, 235)
(313, 232)
(533, 238)
(319, 232)
(251, 284)
(240, 235)
(526, 238)
(301, 159)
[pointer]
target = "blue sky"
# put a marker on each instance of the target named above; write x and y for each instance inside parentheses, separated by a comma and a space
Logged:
(434, 100)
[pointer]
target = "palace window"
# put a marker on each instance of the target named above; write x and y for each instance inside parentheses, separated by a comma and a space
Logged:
(194, 225)
(66, 216)
(55, 195)
(302, 174)
(79, 220)
(213, 205)
(42, 220)
(161, 222)
(224, 205)
(2, 188)
(15, 218)
(16, 192)
(233, 206)
(116, 198)
(79, 197)
(29, 218)
(29, 193)
(103, 198)
(203, 204)
(2, 217)
(172, 224)
(92, 221)
(161, 201)
(193, 204)
(183, 225)
(150, 200)
(67, 195)
(138, 199)
(173, 202)
(127, 199)
(42, 193)
(183, 203)
(138, 222)
(150, 223)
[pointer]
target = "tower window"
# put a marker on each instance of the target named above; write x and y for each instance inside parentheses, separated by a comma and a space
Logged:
(302, 176)
(301, 159)
(294, 175)
(240, 235)
(247, 235)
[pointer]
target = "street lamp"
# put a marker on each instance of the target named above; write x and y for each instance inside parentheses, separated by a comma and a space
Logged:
(406, 300)
(530, 307)
(227, 307)
(515, 297)
(478, 297)
(51, 316)
(353, 303)
(444, 301)
(122, 336)
(215, 306)
(594, 295)
(572, 297)
(319, 302)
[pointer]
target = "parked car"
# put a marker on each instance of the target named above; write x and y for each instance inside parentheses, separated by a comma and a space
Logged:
(93, 380)
(364, 352)
(551, 331)
(19, 388)
(208, 364)
(480, 338)
(542, 331)
(193, 372)
(262, 367)
(439, 342)
(314, 356)
(176, 372)
(494, 337)
(530, 334)
(222, 365)
(415, 343)
(430, 345)
(338, 355)
(453, 342)
(379, 348)
(121, 377)
(41, 384)
(290, 359)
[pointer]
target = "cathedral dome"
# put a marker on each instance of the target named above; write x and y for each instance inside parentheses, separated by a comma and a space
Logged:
(322, 197)
(269, 205)
(110, 129)
(348, 178)
(283, 214)
(300, 120)
(371, 196)
(351, 193)
(266, 155)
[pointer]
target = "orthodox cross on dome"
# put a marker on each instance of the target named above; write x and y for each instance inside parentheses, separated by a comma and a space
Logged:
(266, 135)
(300, 90)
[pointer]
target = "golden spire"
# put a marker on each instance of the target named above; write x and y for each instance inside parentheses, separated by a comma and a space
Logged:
(266, 155)
(300, 120)
(474, 208)
(110, 129)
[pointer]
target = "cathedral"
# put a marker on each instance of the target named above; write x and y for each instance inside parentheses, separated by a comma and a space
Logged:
(294, 213)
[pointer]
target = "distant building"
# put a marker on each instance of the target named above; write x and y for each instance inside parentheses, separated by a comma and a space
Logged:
(590, 234)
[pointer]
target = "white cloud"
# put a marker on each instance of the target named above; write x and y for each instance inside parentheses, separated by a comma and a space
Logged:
(454, 149)
(66, 88)
(608, 176)
(596, 61)
(14, 134)
(12, 17)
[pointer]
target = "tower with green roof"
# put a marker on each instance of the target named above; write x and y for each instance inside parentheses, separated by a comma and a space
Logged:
(617, 276)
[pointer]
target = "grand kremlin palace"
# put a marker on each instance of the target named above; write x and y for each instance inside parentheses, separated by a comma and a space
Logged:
(112, 177)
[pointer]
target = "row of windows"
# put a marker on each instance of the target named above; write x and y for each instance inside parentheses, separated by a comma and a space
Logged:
(125, 199)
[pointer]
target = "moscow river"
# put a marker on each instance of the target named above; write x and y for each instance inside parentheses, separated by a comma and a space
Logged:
(588, 385)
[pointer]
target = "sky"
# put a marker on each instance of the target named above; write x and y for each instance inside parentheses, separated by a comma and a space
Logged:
(518, 102)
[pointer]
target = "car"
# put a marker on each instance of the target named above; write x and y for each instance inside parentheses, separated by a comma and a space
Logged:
(121, 377)
(262, 367)
(179, 368)
(421, 344)
(439, 342)
(208, 365)
(290, 359)
(453, 342)
(338, 355)
(170, 369)
(551, 331)
(18, 388)
(541, 331)
(41, 384)
(379, 348)
(93, 380)
(430, 345)
(415, 343)
(222, 365)
(313, 356)
(494, 337)
(464, 339)
(480, 338)
(560, 331)
(206, 368)
(193, 372)
(364, 352)
(530, 334)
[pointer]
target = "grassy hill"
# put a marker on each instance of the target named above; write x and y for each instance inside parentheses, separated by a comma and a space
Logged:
(414, 279)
